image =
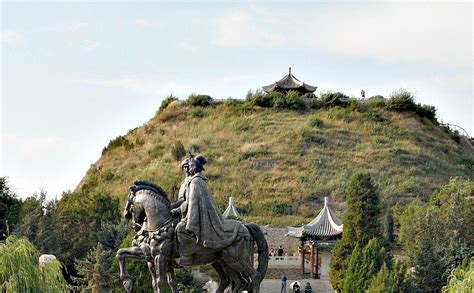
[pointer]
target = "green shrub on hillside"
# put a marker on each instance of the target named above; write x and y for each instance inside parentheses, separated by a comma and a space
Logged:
(331, 99)
(260, 98)
(118, 142)
(377, 101)
(156, 151)
(402, 100)
(178, 151)
(197, 112)
(294, 101)
(168, 100)
(199, 100)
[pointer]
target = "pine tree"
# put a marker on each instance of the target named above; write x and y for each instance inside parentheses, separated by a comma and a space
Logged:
(96, 269)
(363, 266)
(361, 223)
(10, 207)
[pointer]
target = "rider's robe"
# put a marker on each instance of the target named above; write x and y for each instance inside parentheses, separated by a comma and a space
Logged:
(204, 219)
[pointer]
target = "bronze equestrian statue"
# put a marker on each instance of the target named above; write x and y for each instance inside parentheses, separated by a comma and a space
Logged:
(194, 230)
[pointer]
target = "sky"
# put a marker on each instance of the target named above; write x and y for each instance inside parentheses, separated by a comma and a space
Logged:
(76, 75)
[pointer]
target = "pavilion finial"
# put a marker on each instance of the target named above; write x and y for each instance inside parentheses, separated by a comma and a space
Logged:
(326, 201)
(289, 70)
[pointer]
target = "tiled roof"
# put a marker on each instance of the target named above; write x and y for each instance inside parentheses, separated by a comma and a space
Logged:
(289, 82)
(325, 224)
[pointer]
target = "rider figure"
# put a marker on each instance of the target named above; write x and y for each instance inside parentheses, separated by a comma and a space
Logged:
(202, 224)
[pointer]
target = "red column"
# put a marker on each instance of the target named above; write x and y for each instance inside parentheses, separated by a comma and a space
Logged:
(302, 258)
(312, 260)
(317, 261)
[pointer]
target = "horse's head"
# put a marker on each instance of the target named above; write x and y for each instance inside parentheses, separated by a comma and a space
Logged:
(148, 202)
(134, 210)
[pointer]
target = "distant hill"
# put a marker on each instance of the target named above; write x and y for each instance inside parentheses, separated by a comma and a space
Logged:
(278, 164)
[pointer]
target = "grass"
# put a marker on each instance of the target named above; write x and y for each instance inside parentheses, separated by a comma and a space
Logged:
(279, 164)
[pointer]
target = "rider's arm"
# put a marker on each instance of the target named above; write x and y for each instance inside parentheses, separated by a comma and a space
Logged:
(177, 203)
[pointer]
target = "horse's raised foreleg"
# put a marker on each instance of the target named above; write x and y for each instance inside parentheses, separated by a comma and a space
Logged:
(122, 254)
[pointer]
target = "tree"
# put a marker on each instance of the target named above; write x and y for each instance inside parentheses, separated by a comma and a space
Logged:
(364, 265)
(462, 279)
(31, 217)
(361, 223)
(20, 271)
(96, 269)
(436, 235)
(10, 208)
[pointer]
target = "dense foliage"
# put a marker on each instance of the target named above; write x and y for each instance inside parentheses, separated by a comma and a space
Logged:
(10, 207)
(364, 264)
(199, 100)
(437, 235)
(361, 223)
(461, 279)
(20, 271)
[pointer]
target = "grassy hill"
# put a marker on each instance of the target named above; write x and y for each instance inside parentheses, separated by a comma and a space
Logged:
(278, 164)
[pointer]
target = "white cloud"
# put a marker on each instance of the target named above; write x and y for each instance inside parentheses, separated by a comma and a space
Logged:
(142, 84)
(90, 45)
(148, 23)
(435, 32)
(10, 37)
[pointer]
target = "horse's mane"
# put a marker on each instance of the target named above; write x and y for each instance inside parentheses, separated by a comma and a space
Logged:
(155, 189)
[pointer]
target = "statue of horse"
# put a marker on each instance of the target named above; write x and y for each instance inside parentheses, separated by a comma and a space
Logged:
(149, 207)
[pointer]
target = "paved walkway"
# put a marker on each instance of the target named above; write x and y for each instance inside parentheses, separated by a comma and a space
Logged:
(274, 285)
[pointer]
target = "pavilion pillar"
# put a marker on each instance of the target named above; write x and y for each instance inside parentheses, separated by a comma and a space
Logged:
(317, 261)
(312, 260)
(302, 258)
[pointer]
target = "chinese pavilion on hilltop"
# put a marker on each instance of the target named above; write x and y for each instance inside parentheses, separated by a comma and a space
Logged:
(290, 82)
(319, 237)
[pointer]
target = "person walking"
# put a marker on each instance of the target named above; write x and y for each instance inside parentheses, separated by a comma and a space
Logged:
(308, 288)
(283, 279)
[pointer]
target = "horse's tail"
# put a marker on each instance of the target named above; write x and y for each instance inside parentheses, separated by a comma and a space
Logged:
(262, 248)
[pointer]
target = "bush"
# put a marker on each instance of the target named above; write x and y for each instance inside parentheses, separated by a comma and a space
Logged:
(401, 100)
(330, 99)
(168, 100)
(377, 101)
(118, 142)
(199, 100)
(178, 151)
(316, 122)
(259, 98)
(294, 101)
(197, 113)
(156, 151)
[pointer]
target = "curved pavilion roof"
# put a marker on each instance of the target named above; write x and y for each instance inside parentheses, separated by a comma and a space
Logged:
(324, 225)
(231, 211)
(289, 82)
